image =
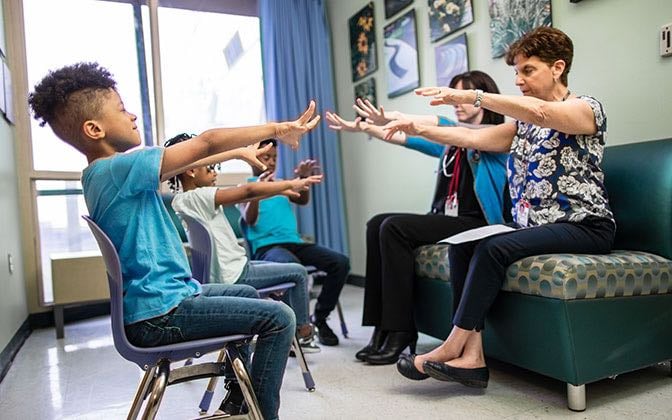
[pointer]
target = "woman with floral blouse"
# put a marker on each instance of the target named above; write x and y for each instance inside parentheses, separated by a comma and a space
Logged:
(560, 204)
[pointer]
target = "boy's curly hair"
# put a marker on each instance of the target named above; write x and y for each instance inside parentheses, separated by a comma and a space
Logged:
(67, 97)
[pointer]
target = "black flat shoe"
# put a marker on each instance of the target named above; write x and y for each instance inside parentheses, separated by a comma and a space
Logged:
(396, 342)
(376, 342)
(473, 378)
(406, 366)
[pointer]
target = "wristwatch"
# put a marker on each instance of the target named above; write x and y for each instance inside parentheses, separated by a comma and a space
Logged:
(479, 98)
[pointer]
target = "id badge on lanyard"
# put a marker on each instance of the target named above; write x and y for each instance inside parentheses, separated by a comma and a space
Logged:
(452, 204)
(522, 212)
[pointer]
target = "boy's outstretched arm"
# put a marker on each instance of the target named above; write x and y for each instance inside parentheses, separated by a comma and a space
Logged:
(304, 169)
(185, 155)
(261, 190)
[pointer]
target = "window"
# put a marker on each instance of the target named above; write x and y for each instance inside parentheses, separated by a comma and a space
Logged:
(212, 73)
(107, 37)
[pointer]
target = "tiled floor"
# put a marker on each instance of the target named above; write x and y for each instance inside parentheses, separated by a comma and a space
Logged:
(82, 377)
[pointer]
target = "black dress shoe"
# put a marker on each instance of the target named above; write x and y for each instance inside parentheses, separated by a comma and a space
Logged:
(473, 378)
(406, 366)
(396, 342)
(376, 342)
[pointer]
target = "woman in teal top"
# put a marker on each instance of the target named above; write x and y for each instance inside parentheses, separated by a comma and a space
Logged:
(475, 182)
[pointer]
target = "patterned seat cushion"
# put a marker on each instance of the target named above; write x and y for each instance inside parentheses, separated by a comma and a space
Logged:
(569, 276)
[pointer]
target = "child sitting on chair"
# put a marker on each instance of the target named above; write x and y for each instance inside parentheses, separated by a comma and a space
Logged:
(203, 201)
(273, 236)
(162, 303)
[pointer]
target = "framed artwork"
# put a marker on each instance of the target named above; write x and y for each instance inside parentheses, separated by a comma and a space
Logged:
(446, 17)
(401, 55)
(510, 19)
(363, 43)
(394, 6)
(367, 90)
(452, 58)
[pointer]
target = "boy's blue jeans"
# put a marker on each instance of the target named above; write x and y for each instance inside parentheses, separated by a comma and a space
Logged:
(222, 310)
(262, 274)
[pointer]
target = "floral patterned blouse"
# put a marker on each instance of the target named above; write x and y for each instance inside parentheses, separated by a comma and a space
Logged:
(559, 174)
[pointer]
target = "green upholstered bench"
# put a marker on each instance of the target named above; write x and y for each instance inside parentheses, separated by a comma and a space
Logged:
(581, 318)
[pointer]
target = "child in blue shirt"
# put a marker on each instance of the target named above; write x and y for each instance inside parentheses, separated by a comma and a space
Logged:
(273, 236)
(162, 303)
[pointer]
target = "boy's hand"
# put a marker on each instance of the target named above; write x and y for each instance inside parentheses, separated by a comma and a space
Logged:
(290, 132)
(339, 124)
(303, 184)
(251, 154)
(306, 168)
(267, 176)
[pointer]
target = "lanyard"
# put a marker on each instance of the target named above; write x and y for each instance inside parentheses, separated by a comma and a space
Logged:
(455, 179)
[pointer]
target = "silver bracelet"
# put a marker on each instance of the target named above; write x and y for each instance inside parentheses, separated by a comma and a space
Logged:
(479, 98)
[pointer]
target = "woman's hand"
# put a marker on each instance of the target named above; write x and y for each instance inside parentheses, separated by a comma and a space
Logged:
(403, 126)
(339, 124)
(446, 96)
(290, 132)
(374, 116)
(306, 168)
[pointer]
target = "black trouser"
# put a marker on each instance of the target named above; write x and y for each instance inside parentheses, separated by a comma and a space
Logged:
(478, 268)
(390, 264)
(337, 267)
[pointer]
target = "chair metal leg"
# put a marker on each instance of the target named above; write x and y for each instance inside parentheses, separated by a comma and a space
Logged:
(59, 321)
(307, 377)
(141, 393)
(254, 411)
(344, 328)
(155, 396)
(204, 406)
(576, 397)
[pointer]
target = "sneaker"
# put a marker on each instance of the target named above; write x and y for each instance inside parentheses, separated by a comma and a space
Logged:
(308, 344)
(233, 402)
(325, 334)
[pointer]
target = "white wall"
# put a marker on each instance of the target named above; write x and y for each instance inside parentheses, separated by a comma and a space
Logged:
(13, 308)
(616, 59)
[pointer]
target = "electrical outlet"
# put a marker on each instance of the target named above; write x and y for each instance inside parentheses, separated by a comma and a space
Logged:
(10, 263)
(665, 41)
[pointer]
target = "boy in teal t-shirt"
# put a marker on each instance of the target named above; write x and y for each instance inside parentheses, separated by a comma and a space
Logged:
(272, 233)
(162, 303)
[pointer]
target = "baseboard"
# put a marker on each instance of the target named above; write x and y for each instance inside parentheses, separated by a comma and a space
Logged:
(356, 280)
(70, 314)
(12, 349)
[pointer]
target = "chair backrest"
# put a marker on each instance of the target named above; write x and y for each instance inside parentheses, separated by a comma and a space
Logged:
(114, 278)
(201, 248)
(232, 214)
(638, 178)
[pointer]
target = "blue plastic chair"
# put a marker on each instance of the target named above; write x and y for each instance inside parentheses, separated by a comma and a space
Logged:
(200, 244)
(155, 361)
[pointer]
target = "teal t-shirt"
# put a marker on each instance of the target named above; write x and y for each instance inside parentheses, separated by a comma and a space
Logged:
(122, 195)
(276, 223)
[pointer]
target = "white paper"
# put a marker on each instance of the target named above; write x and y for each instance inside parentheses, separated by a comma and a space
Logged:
(476, 234)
